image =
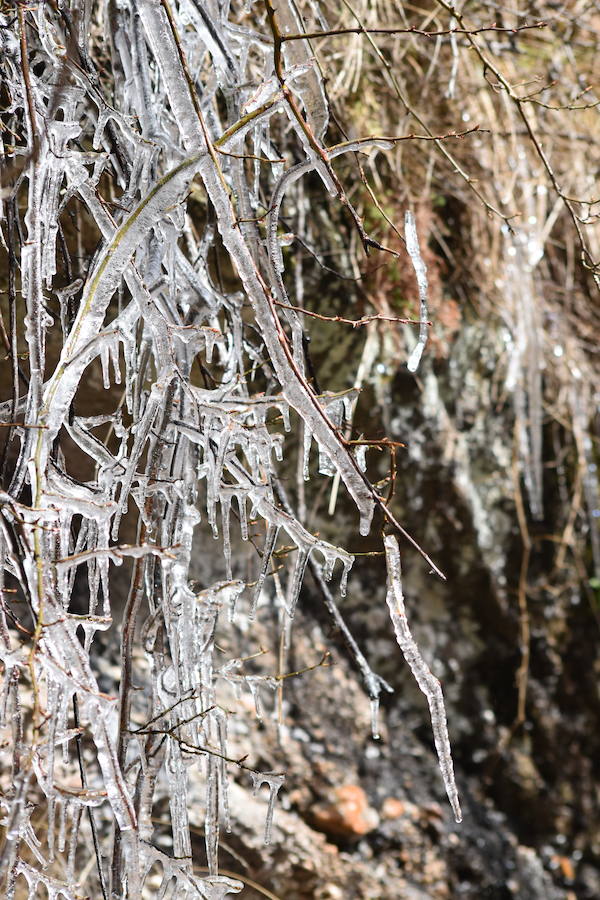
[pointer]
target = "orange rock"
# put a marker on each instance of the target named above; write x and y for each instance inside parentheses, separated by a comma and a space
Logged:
(566, 867)
(348, 814)
(392, 808)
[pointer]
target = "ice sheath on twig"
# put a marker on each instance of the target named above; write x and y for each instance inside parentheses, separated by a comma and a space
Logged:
(427, 682)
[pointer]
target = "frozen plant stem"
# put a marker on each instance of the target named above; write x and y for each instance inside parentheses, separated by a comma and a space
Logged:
(427, 682)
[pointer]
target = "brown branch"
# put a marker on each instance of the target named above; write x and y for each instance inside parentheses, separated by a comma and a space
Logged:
(263, 159)
(395, 139)
(396, 30)
(325, 662)
(321, 152)
(468, 179)
(356, 323)
(504, 85)
(379, 443)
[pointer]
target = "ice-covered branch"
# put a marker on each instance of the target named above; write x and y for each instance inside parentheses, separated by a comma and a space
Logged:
(154, 411)
(427, 682)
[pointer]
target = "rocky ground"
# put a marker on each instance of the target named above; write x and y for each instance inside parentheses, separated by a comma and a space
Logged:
(360, 818)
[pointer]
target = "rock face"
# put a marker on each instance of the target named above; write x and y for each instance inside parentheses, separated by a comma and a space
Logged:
(360, 818)
(345, 813)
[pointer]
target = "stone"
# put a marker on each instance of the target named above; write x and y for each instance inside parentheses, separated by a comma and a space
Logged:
(347, 813)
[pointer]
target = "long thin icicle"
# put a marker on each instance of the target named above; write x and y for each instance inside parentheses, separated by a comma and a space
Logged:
(428, 683)
(412, 247)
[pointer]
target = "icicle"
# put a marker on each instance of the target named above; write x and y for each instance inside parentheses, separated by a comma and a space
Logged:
(113, 351)
(64, 296)
(277, 447)
(270, 541)
(307, 440)
(178, 791)
(226, 435)
(335, 414)
(297, 579)
(374, 702)
(211, 818)
(225, 501)
(427, 682)
(253, 682)
(412, 247)
(63, 718)
(274, 783)
(347, 564)
(212, 495)
(73, 840)
(524, 371)
(141, 430)
(221, 720)
(105, 361)
(50, 833)
(241, 499)
(228, 671)
(580, 404)
(330, 559)
(326, 466)
(55, 696)
(331, 554)
(211, 337)
(234, 590)
(62, 825)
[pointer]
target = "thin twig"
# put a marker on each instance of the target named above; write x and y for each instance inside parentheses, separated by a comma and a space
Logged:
(398, 30)
(356, 323)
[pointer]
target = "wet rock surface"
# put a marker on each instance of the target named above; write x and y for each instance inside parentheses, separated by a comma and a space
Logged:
(360, 818)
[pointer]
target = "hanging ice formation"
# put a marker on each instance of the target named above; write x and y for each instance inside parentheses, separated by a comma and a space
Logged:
(427, 682)
(523, 250)
(412, 247)
(202, 375)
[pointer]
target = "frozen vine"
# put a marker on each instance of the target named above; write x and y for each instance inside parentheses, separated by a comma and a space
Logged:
(427, 682)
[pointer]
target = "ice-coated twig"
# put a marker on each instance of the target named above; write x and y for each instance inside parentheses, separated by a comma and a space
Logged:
(269, 546)
(374, 684)
(427, 682)
(412, 247)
